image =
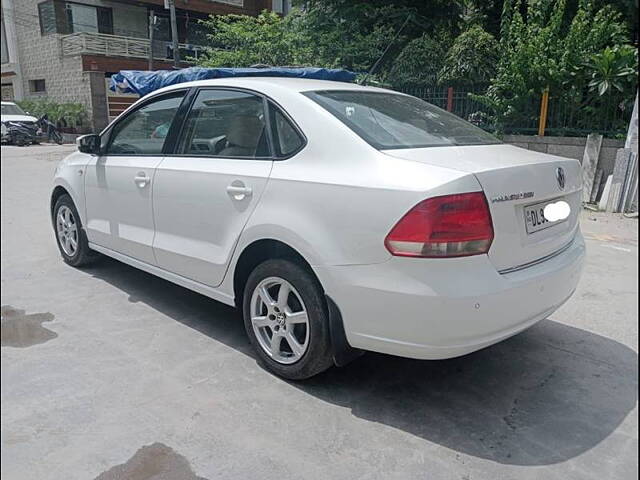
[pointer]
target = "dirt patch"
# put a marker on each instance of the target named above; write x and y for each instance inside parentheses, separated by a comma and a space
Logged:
(20, 330)
(152, 462)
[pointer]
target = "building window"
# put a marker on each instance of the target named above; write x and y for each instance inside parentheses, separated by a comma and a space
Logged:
(70, 17)
(37, 86)
(47, 15)
(87, 18)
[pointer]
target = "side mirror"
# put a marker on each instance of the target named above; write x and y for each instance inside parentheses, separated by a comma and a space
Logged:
(89, 143)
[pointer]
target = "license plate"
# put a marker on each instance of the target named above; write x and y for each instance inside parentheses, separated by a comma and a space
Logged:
(534, 217)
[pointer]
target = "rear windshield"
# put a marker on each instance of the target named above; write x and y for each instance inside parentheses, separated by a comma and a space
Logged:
(392, 121)
(10, 109)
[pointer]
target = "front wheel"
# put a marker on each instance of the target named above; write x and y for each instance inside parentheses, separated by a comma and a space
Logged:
(286, 319)
(70, 236)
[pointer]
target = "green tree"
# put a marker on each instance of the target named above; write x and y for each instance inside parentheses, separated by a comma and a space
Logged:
(419, 62)
(242, 40)
(305, 38)
(541, 49)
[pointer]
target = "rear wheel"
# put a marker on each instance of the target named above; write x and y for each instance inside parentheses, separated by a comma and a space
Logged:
(56, 137)
(70, 236)
(286, 319)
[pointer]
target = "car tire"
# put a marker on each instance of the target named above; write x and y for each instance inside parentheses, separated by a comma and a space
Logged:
(70, 235)
(305, 348)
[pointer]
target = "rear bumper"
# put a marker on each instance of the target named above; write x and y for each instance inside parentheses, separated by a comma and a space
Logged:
(443, 308)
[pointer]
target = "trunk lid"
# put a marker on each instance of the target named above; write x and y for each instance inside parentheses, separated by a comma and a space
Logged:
(514, 178)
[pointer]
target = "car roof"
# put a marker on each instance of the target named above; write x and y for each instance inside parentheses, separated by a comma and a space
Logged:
(8, 103)
(269, 84)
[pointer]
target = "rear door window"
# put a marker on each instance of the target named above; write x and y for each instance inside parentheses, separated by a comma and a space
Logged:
(226, 123)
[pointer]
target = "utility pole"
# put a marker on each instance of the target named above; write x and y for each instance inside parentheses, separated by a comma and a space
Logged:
(152, 25)
(174, 33)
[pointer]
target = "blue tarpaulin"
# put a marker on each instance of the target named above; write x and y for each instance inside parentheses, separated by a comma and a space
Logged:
(144, 82)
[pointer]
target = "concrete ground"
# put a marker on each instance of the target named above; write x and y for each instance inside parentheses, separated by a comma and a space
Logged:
(109, 372)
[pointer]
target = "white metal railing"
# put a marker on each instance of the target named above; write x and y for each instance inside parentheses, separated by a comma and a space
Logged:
(89, 43)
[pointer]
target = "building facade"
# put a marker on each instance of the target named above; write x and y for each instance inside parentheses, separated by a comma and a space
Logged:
(65, 50)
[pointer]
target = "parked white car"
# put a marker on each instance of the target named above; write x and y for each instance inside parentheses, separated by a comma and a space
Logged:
(338, 218)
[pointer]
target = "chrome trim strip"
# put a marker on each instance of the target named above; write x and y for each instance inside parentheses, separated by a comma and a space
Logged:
(538, 261)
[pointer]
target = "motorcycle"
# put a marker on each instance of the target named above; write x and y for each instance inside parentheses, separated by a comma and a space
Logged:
(48, 128)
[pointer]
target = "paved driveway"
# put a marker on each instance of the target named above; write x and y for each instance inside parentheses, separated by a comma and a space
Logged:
(109, 372)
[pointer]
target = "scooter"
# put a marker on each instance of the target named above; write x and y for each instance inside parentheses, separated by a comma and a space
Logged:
(49, 128)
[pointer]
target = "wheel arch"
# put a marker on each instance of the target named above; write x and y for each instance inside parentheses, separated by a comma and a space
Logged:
(259, 251)
(57, 192)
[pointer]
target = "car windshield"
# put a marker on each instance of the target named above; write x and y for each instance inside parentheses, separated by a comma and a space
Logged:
(11, 109)
(392, 121)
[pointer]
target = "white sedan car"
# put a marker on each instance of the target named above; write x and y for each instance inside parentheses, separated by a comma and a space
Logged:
(338, 218)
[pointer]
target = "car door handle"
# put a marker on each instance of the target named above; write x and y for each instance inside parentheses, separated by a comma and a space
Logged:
(141, 180)
(238, 192)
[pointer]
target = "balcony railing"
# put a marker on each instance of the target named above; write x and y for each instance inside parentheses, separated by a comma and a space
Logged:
(87, 43)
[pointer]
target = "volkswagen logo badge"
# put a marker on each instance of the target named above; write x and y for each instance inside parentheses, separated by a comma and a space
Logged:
(560, 177)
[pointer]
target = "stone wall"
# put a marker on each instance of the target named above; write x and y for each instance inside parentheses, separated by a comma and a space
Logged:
(571, 147)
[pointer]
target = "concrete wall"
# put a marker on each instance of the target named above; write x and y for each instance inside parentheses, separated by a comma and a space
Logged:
(571, 147)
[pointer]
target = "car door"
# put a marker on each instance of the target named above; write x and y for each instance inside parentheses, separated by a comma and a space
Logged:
(119, 182)
(205, 192)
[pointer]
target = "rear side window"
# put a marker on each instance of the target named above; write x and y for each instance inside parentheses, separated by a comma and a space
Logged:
(226, 123)
(286, 137)
(390, 121)
(144, 131)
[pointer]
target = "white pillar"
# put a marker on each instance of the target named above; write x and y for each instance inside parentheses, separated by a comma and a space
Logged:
(632, 133)
(8, 15)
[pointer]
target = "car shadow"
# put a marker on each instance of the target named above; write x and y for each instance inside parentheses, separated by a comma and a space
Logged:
(542, 397)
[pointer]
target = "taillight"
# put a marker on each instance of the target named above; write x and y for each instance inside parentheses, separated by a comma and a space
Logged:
(449, 226)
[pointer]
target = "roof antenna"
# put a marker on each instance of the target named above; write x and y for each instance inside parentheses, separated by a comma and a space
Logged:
(393, 40)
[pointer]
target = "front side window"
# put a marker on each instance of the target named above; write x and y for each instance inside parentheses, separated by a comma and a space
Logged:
(390, 121)
(144, 131)
(226, 123)
(286, 138)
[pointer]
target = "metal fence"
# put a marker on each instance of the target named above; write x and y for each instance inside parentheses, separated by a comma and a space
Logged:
(608, 115)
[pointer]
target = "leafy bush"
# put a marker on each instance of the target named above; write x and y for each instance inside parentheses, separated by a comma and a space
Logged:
(471, 59)
(62, 114)
(613, 68)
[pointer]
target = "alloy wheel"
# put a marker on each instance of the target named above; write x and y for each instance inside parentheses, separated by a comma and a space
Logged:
(67, 230)
(280, 320)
